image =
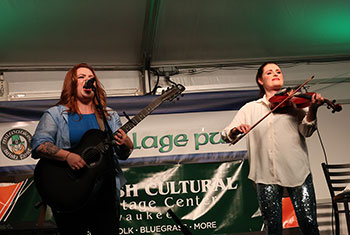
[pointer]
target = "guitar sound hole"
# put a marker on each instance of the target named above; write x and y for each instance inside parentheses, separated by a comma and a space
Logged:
(92, 157)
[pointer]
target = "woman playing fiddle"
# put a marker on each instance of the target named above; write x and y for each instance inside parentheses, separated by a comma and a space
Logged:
(277, 152)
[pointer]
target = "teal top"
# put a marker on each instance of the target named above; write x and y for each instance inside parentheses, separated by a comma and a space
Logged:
(77, 128)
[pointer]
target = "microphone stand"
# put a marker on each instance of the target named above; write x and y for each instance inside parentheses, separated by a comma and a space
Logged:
(108, 129)
(177, 220)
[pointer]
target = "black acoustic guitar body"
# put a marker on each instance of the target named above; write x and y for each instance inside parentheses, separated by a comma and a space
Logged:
(67, 190)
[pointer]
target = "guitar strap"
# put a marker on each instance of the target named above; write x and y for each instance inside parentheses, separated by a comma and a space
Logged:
(100, 121)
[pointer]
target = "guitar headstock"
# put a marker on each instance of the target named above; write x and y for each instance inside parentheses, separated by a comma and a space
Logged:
(172, 92)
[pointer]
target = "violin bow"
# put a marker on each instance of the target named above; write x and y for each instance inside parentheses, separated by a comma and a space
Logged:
(272, 110)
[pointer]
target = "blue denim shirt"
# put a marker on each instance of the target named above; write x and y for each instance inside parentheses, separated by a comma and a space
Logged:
(53, 128)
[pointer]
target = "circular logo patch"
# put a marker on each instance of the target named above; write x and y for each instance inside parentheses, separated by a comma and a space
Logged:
(15, 144)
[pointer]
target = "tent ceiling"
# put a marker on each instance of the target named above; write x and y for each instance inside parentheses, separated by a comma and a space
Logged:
(138, 34)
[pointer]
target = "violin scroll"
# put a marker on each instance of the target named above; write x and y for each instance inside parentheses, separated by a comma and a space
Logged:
(332, 105)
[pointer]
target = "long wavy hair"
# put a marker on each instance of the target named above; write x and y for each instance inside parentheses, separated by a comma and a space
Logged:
(259, 75)
(69, 91)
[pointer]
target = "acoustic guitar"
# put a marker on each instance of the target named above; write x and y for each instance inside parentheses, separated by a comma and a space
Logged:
(67, 190)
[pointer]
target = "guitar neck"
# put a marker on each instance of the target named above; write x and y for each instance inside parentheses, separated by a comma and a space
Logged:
(141, 115)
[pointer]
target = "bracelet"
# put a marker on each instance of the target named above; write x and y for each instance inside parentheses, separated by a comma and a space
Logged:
(65, 159)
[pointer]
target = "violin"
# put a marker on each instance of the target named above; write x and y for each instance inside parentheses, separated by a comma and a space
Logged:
(300, 100)
(291, 97)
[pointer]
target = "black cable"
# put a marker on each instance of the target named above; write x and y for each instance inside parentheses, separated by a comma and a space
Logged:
(154, 90)
(177, 220)
(322, 145)
(168, 79)
(319, 137)
(326, 160)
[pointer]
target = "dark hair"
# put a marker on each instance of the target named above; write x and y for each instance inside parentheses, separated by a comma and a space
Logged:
(259, 75)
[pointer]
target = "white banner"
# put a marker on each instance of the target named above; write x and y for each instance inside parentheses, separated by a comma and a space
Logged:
(156, 135)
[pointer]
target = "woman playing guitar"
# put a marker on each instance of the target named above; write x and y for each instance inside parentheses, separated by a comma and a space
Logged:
(62, 127)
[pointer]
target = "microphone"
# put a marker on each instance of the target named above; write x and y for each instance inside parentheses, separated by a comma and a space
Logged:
(89, 83)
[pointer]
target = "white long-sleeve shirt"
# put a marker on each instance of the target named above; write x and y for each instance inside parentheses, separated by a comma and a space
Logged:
(277, 150)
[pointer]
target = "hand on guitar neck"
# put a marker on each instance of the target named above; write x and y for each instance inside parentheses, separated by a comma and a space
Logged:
(125, 144)
(123, 140)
